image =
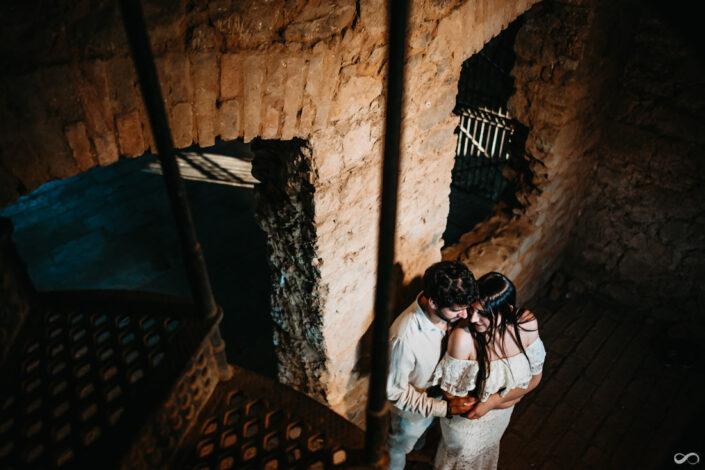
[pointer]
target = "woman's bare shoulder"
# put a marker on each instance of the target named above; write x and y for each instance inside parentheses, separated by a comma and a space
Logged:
(528, 327)
(460, 344)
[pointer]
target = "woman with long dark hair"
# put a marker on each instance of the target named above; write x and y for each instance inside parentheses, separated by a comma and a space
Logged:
(496, 356)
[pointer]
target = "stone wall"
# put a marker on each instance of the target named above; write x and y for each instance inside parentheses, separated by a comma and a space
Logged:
(565, 64)
(307, 78)
(641, 240)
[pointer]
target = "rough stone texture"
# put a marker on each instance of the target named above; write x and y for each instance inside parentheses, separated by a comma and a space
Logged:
(284, 209)
(16, 290)
(564, 61)
(315, 70)
(641, 240)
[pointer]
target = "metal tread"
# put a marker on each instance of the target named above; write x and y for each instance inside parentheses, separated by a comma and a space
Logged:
(86, 370)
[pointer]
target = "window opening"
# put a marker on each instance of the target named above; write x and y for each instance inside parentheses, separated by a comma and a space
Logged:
(487, 134)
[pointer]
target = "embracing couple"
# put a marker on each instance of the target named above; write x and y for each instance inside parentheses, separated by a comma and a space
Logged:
(493, 357)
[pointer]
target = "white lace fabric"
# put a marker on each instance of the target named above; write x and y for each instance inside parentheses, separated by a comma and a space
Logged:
(458, 376)
(474, 444)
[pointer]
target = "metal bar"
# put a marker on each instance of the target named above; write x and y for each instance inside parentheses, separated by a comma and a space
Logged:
(466, 137)
(376, 452)
(502, 140)
(133, 20)
(495, 135)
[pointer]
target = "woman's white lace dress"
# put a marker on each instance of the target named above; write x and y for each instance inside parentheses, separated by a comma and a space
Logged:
(474, 444)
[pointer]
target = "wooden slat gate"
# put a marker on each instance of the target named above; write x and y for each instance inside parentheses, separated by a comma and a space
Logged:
(486, 129)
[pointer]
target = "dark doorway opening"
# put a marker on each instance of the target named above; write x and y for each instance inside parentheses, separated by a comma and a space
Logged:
(111, 228)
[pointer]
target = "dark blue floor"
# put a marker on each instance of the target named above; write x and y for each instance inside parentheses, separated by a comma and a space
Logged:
(111, 228)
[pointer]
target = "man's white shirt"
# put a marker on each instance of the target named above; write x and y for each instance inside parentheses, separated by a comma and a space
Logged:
(415, 349)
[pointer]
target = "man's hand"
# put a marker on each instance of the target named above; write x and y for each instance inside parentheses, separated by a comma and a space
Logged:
(460, 405)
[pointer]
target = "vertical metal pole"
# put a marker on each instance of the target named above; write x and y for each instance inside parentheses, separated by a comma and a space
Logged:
(136, 29)
(376, 453)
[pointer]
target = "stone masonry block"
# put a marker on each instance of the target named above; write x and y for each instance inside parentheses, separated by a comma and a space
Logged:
(270, 123)
(231, 73)
(122, 83)
(181, 121)
(293, 95)
(129, 129)
(354, 96)
(273, 95)
(60, 95)
(313, 84)
(92, 85)
(204, 67)
(331, 70)
(254, 66)
(77, 137)
(357, 144)
(174, 77)
(229, 119)
(374, 16)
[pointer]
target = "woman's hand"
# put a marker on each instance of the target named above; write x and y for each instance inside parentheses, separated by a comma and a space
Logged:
(482, 407)
(494, 402)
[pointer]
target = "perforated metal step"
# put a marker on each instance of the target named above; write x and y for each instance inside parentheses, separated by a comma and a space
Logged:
(252, 422)
(85, 373)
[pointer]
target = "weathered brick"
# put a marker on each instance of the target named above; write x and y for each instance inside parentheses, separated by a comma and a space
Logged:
(229, 119)
(204, 67)
(273, 96)
(92, 86)
(129, 129)
(182, 124)
(80, 145)
(270, 123)
(60, 94)
(293, 95)
(255, 68)
(311, 89)
(175, 77)
(124, 93)
(231, 73)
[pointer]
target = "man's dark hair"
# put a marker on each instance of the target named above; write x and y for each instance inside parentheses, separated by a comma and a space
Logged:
(450, 283)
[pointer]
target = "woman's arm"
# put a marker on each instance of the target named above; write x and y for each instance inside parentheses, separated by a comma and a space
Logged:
(495, 401)
(460, 346)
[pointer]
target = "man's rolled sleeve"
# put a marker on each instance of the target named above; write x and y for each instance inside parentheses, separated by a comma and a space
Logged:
(403, 395)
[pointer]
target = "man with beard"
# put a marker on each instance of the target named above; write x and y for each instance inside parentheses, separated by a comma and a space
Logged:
(415, 348)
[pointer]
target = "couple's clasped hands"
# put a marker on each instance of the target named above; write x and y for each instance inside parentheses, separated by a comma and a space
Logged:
(471, 407)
